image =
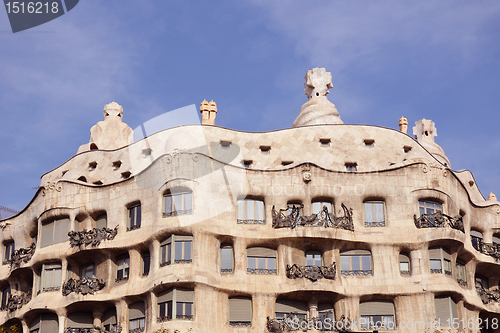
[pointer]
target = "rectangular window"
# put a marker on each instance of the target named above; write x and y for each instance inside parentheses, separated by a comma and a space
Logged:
(87, 271)
(436, 266)
(356, 262)
(51, 277)
(180, 252)
(461, 273)
(5, 297)
(122, 268)
(404, 264)
(9, 249)
(146, 263)
(101, 222)
(374, 214)
(175, 303)
(261, 260)
(251, 211)
(428, 207)
(440, 261)
(313, 258)
(226, 262)
(446, 311)
(178, 204)
(55, 231)
(240, 311)
(134, 217)
(318, 207)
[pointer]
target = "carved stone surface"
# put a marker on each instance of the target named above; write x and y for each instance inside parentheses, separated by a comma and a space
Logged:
(4, 224)
(490, 249)
(83, 286)
(21, 255)
(17, 301)
(291, 218)
(313, 273)
(94, 236)
(425, 131)
(439, 220)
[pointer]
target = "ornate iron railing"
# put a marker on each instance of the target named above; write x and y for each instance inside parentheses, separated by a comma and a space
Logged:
(79, 330)
(178, 212)
(461, 282)
(261, 271)
(439, 220)
(436, 270)
(185, 317)
(448, 273)
(487, 296)
(123, 278)
(490, 249)
(294, 323)
(374, 224)
(94, 236)
(183, 261)
(22, 255)
(405, 272)
(240, 323)
(118, 329)
(226, 270)
(357, 272)
(165, 263)
(49, 289)
(16, 302)
(83, 286)
(313, 273)
(250, 221)
(291, 217)
(137, 330)
(163, 319)
(134, 227)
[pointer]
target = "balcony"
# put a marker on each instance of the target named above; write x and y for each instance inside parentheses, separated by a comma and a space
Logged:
(240, 323)
(490, 249)
(94, 236)
(83, 286)
(357, 272)
(16, 302)
(439, 220)
(261, 270)
(294, 323)
(22, 255)
(291, 217)
(313, 273)
(239, 221)
(79, 330)
(487, 296)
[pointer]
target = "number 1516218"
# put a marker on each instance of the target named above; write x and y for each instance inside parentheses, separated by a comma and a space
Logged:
(32, 7)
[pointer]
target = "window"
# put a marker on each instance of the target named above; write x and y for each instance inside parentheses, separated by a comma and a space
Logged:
(51, 277)
(477, 239)
(247, 163)
(180, 252)
(122, 267)
(178, 204)
(290, 309)
(5, 296)
(137, 316)
(45, 323)
(175, 303)
(313, 258)
(87, 271)
(356, 262)
(374, 214)
(146, 263)
(440, 261)
(240, 311)
(318, 206)
(261, 260)
(325, 311)
(134, 217)
(461, 273)
(55, 231)
(446, 310)
(9, 249)
(404, 264)
(109, 322)
(251, 211)
(428, 207)
(80, 320)
(376, 315)
(101, 221)
(351, 167)
(226, 258)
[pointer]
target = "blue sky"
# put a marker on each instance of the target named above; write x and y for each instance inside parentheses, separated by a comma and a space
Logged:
(437, 60)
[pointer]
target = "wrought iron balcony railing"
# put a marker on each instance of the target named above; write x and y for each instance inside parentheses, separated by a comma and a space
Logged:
(134, 227)
(439, 220)
(490, 249)
(16, 302)
(240, 323)
(461, 282)
(436, 270)
(261, 270)
(487, 296)
(163, 319)
(291, 217)
(448, 273)
(137, 330)
(294, 323)
(357, 272)
(313, 273)
(22, 255)
(83, 286)
(374, 224)
(49, 289)
(178, 212)
(185, 317)
(405, 272)
(250, 221)
(79, 330)
(92, 237)
(165, 263)
(121, 278)
(183, 261)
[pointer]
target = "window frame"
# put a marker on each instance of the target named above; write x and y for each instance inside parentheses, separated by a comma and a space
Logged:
(222, 268)
(258, 210)
(265, 259)
(9, 248)
(134, 217)
(122, 260)
(367, 318)
(145, 254)
(461, 272)
(84, 268)
(374, 204)
(238, 301)
(314, 257)
(429, 204)
(44, 277)
(56, 224)
(317, 210)
(445, 263)
(6, 293)
(402, 257)
(171, 305)
(173, 211)
(169, 249)
(360, 254)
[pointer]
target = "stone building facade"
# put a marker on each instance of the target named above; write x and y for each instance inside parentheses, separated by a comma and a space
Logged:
(324, 226)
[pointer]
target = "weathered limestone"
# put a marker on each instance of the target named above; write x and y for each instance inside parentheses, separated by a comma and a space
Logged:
(208, 112)
(318, 110)
(425, 131)
(403, 125)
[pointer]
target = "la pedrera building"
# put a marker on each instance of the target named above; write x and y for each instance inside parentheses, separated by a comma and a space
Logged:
(323, 226)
